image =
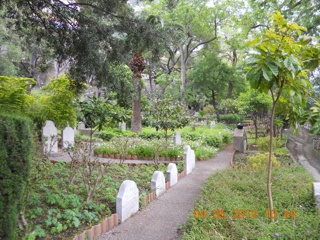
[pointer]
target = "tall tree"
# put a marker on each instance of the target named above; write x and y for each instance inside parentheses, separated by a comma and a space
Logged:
(211, 75)
(277, 65)
(145, 35)
(83, 32)
(192, 24)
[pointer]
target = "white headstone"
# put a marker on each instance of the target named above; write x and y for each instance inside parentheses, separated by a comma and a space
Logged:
(212, 124)
(68, 137)
(316, 193)
(49, 133)
(127, 200)
(172, 174)
(122, 126)
(189, 159)
(177, 138)
(81, 125)
(158, 183)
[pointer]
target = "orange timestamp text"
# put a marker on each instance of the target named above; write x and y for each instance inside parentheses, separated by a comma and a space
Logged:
(241, 213)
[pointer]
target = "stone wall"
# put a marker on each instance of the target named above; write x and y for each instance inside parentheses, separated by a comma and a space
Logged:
(304, 133)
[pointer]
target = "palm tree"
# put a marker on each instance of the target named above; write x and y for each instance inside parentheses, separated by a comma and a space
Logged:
(145, 36)
(137, 65)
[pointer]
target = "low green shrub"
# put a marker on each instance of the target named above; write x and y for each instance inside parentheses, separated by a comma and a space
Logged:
(263, 144)
(261, 160)
(231, 118)
(226, 137)
(106, 136)
(213, 141)
(151, 135)
(173, 152)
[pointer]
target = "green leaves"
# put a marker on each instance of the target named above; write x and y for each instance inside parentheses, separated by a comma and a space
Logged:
(274, 69)
(313, 116)
(267, 74)
(277, 60)
(168, 114)
(13, 94)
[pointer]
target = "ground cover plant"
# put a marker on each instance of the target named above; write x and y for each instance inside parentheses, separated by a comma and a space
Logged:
(281, 153)
(56, 208)
(233, 205)
(203, 140)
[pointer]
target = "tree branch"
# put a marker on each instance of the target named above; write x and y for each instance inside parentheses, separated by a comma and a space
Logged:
(259, 25)
(209, 40)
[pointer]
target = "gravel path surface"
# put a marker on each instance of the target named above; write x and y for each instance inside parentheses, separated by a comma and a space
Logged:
(161, 218)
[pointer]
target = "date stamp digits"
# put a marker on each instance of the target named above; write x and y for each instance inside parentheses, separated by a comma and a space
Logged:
(240, 213)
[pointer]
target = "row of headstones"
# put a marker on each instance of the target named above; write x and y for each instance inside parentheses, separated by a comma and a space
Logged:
(128, 196)
(50, 133)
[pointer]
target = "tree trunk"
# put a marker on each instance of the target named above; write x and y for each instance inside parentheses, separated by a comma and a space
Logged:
(255, 119)
(213, 96)
(136, 123)
(270, 163)
(183, 73)
(230, 89)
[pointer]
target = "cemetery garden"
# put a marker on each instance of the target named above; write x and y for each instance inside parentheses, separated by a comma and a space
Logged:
(65, 198)
(106, 105)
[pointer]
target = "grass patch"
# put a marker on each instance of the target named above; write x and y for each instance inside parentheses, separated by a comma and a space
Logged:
(235, 189)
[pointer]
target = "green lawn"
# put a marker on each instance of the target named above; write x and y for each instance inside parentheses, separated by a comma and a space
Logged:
(233, 205)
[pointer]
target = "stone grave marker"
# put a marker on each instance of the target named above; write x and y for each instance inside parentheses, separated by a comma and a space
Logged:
(81, 125)
(158, 183)
(177, 138)
(212, 124)
(122, 126)
(127, 200)
(68, 137)
(49, 135)
(189, 159)
(172, 174)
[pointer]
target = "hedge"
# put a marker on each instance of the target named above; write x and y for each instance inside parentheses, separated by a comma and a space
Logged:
(16, 148)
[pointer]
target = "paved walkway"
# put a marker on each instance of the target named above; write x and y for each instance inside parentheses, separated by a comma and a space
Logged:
(162, 217)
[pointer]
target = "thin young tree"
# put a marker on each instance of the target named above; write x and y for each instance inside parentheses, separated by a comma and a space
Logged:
(277, 65)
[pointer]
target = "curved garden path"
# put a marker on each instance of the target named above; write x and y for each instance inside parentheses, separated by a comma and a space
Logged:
(162, 217)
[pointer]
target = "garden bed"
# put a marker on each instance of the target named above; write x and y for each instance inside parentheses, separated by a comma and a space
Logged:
(57, 207)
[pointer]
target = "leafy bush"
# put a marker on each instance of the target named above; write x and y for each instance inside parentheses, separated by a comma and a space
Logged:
(55, 102)
(263, 143)
(231, 118)
(151, 133)
(213, 141)
(261, 160)
(106, 136)
(226, 137)
(13, 94)
(16, 143)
